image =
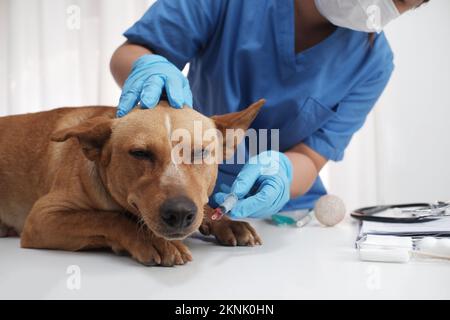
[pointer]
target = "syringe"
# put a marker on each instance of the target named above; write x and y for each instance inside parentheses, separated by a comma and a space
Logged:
(228, 204)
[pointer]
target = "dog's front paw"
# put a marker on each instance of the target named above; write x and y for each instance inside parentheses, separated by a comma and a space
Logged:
(172, 252)
(232, 233)
(161, 252)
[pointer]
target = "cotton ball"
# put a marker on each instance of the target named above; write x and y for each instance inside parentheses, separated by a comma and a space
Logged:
(329, 210)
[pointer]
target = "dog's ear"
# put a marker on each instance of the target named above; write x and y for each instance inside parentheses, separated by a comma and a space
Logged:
(233, 126)
(92, 134)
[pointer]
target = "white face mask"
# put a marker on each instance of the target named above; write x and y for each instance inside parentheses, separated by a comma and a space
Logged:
(359, 15)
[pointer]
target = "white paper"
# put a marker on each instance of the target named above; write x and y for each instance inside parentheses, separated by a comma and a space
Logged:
(436, 227)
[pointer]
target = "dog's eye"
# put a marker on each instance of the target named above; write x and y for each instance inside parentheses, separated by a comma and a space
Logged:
(142, 154)
(205, 153)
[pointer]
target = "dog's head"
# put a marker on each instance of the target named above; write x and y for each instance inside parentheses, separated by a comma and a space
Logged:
(161, 164)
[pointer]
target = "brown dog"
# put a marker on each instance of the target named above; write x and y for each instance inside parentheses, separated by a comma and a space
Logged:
(79, 178)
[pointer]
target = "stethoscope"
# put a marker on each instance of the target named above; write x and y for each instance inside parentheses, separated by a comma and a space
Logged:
(404, 213)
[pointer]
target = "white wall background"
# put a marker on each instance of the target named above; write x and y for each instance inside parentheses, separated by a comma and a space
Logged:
(49, 58)
(56, 52)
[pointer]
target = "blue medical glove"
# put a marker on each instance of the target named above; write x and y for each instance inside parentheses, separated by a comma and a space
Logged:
(149, 75)
(262, 186)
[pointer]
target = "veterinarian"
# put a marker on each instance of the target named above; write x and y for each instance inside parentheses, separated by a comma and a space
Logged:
(320, 64)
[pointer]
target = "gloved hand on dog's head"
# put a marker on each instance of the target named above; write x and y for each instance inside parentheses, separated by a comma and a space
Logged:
(150, 75)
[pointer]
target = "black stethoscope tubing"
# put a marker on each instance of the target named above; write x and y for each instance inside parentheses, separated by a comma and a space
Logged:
(367, 213)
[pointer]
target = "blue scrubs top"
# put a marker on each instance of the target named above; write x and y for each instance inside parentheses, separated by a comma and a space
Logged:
(242, 51)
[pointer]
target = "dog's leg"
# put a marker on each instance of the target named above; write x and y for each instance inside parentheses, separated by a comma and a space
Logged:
(229, 232)
(82, 230)
(4, 230)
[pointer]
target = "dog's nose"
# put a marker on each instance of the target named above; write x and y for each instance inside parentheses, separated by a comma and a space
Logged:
(178, 212)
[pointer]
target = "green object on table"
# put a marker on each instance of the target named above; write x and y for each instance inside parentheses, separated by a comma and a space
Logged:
(283, 220)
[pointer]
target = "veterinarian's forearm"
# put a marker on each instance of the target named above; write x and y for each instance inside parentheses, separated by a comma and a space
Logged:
(304, 173)
(123, 59)
(306, 164)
